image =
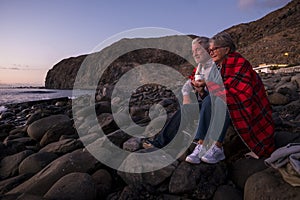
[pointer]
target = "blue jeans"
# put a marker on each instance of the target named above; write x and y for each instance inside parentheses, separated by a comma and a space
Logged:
(214, 118)
(171, 128)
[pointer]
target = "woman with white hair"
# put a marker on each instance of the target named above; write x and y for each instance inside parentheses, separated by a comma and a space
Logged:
(244, 95)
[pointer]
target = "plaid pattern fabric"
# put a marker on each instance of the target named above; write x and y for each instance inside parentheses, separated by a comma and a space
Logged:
(247, 102)
(192, 76)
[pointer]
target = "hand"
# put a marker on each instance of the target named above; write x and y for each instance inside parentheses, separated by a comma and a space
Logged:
(200, 91)
(198, 83)
(199, 86)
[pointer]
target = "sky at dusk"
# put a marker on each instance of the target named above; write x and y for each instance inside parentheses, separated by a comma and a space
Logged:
(37, 34)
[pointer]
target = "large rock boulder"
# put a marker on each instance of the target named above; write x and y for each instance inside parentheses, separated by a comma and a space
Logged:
(268, 184)
(75, 186)
(36, 162)
(10, 164)
(103, 181)
(200, 181)
(137, 179)
(37, 129)
(10, 183)
(242, 169)
(77, 161)
(63, 146)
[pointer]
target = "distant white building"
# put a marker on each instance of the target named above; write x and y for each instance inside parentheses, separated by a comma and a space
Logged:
(266, 68)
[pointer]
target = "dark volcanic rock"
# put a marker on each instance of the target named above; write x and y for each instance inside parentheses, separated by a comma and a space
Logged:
(148, 179)
(278, 99)
(63, 146)
(227, 192)
(37, 129)
(103, 182)
(10, 183)
(56, 77)
(268, 184)
(75, 186)
(201, 181)
(271, 36)
(243, 168)
(10, 164)
(77, 161)
(5, 129)
(36, 162)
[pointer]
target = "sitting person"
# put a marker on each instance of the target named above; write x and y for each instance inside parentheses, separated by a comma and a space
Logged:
(247, 106)
(200, 54)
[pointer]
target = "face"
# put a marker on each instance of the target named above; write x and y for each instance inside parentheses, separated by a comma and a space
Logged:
(218, 53)
(199, 53)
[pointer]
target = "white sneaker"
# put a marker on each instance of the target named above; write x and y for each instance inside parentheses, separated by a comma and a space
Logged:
(194, 157)
(213, 155)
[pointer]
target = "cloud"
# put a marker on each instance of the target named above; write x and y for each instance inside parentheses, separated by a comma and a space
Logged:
(251, 4)
(10, 68)
(246, 4)
(20, 68)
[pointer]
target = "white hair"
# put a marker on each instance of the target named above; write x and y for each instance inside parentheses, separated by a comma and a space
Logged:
(203, 41)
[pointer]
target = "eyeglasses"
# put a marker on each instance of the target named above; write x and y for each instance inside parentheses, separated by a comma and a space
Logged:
(215, 48)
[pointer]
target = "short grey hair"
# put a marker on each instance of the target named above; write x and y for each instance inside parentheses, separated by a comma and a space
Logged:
(223, 39)
(203, 41)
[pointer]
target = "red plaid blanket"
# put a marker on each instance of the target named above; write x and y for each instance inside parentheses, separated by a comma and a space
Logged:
(247, 103)
(192, 76)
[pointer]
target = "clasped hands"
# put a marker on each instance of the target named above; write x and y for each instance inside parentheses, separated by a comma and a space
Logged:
(199, 86)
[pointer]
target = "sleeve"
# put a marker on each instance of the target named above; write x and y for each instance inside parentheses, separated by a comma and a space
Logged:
(187, 88)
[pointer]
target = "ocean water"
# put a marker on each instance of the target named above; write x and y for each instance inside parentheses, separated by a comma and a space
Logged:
(19, 95)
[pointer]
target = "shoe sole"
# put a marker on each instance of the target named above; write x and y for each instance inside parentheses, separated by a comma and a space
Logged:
(190, 161)
(209, 162)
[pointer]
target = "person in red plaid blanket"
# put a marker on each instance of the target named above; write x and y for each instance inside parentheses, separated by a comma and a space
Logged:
(247, 107)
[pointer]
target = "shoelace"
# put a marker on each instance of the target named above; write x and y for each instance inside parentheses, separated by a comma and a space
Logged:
(197, 149)
(213, 151)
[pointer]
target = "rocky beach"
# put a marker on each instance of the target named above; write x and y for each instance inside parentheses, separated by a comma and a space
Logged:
(43, 157)
(46, 145)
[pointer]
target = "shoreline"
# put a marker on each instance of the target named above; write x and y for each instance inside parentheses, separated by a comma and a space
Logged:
(23, 95)
(31, 103)
(19, 113)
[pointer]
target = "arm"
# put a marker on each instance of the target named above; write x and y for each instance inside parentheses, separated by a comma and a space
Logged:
(186, 89)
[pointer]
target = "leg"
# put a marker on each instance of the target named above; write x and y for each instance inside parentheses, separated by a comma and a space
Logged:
(221, 121)
(203, 125)
(204, 120)
(214, 120)
(171, 128)
(219, 126)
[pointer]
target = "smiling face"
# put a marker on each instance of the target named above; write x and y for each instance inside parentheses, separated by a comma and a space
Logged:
(199, 53)
(218, 53)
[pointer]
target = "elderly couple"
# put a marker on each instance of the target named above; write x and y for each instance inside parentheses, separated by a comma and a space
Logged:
(240, 91)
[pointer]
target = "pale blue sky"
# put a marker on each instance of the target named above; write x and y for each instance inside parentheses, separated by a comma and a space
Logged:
(36, 34)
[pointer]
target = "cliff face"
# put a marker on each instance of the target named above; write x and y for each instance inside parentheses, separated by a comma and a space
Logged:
(63, 74)
(266, 40)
